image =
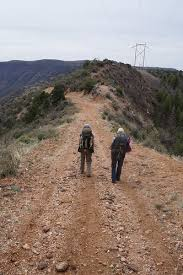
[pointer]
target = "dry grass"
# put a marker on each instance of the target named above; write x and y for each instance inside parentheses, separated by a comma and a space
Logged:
(9, 159)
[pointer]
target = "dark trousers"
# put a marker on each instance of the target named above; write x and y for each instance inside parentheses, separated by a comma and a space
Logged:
(117, 164)
(86, 155)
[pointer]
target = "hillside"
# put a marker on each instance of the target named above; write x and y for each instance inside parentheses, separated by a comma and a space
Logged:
(16, 75)
(168, 115)
(142, 100)
(52, 216)
(147, 103)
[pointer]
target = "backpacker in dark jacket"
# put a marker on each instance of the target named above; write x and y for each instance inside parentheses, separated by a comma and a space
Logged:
(120, 144)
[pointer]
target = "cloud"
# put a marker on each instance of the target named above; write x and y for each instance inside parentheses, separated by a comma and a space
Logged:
(86, 29)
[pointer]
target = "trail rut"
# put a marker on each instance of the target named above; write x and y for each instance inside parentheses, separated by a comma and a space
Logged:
(98, 227)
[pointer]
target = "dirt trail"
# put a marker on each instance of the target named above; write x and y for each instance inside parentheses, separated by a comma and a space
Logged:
(99, 228)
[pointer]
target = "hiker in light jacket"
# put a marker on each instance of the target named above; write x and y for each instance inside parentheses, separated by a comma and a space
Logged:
(119, 147)
(86, 148)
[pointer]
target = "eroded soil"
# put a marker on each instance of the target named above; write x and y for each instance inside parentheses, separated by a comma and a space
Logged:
(56, 214)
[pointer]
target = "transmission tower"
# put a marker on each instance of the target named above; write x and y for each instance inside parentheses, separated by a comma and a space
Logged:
(140, 54)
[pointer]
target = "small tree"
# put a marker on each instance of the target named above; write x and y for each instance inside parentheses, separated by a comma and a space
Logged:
(173, 80)
(86, 64)
(40, 104)
(167, 104)
(58, 93)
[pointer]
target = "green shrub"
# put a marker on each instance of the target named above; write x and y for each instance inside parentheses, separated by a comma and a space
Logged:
(9, 122)
(15, 188)
(46, 134)
(137, 134)
(167, 104)
(18, 133)
(39, 106)
(58, 93)
(84, 73)
(86, 64)
(161, 95)
(173, 80)
(178, 147)
(120, 91)
(88, 84)
(26, 139)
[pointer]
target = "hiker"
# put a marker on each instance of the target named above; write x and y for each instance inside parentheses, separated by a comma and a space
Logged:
(119, 147)
(86, 148)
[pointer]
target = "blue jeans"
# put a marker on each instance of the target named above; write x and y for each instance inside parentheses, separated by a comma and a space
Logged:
(117, 163)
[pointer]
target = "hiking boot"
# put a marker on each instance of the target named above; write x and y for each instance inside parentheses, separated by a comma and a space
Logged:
(88, 175)
(113, 181)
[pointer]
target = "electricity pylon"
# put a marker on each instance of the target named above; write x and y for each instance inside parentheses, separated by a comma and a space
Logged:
(140, 54)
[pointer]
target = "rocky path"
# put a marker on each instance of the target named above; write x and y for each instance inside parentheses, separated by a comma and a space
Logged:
(61, 220)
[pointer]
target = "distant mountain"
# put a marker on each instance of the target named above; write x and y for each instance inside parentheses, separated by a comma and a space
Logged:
(16, 75)
(161, 69)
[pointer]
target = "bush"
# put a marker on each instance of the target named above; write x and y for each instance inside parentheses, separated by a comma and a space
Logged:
(103, 116)
(88, 85)
(58, 93)
(46, 134)
(107, 115)
(120, 91)
(18, 133)
(9, 161)
(86, 64)
(178, 146)
(9, 122)
(108, 96)
(66, 119)
(137, 134)
(115, 105)
(161, 95)
(40, 105)
(26, 139)
(167, 104)
(152, 140)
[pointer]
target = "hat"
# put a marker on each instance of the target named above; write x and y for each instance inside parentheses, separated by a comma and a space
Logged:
(120, 130)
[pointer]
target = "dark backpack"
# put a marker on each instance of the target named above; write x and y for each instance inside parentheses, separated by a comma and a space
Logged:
(86, 140)
(119, 144)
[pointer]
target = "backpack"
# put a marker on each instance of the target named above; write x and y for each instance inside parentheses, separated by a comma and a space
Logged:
(86, 140)
(119, 144)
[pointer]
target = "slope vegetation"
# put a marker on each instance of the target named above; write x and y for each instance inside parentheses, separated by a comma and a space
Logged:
(148, 104)
(55, 215)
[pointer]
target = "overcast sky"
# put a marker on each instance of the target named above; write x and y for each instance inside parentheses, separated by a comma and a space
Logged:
(87, 29)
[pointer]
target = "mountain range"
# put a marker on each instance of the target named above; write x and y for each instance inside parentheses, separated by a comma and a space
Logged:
(17, 75)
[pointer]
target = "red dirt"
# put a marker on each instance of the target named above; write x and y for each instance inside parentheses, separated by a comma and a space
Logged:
(132, 227)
